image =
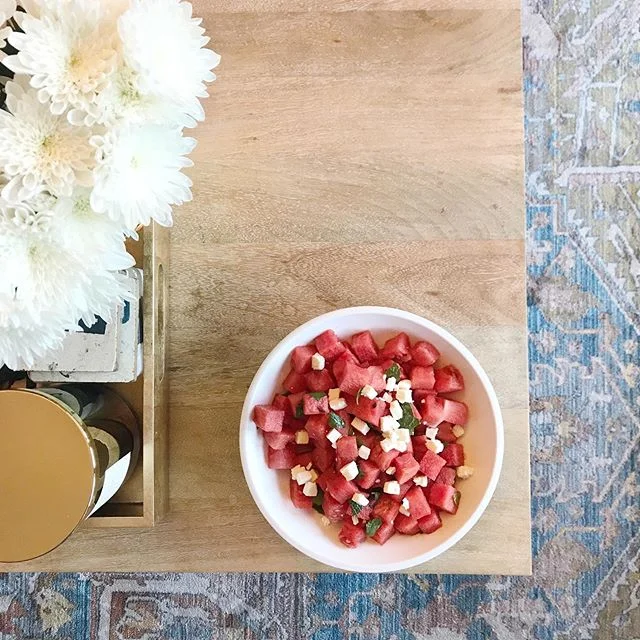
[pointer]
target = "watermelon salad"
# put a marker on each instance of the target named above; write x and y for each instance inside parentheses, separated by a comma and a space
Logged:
(369, 436)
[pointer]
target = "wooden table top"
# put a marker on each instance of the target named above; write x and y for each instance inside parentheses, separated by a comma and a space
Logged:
(360, 152)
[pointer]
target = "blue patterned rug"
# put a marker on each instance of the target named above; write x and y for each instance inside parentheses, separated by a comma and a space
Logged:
(582, 64)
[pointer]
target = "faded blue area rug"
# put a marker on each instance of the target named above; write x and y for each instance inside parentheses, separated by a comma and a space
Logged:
(582, 70)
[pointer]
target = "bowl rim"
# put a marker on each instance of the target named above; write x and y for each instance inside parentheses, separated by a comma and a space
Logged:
(377, 567)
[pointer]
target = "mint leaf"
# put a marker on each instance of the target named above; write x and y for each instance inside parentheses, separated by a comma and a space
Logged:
(317, 501)
(318, 508)
(285, 393)
(318, 395)
(299, 414)
(393, 372)
(335, 421)
(355, 507)
(408, 420)
(373, 526)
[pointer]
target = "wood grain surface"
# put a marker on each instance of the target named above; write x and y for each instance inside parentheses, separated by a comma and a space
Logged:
(355, 152)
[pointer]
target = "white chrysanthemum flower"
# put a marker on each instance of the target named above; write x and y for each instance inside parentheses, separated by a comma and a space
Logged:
(164, 45)
(69, 50)
(138, 176)
(39, 150)
(7, 9)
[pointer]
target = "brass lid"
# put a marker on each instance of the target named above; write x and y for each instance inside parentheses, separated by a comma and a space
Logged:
(47, 474)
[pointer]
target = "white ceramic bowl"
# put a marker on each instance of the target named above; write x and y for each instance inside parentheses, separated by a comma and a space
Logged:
(483, 443)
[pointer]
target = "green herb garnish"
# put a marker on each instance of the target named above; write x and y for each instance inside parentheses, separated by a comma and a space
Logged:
(318, 395)
(408, 420)
(317, 501)
(299, 414)
(285, 393)
(456, 498)
(335, 421)
(393, 372)
(318, 508)
(355, 507)
(374, 494)
(373, 526)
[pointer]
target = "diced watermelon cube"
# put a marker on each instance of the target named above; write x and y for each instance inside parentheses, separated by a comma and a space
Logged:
(292, 423)
(376, 378)
(404, 488)
(368, 410)
(352, 378)
(397, 348)
(268, 418)
(351, 535)
(455, 412)
(365, 347)
(418, 505)
(369, 473)
(447, 476)
(433, 410)
(319, 380)
(422, 377)
(384, 532)
(280, 439)
(304, 457)
(317, 427)
(295, 400)
(312, 406)
(322, 480)
(386, 509)
(420, 397)
(300, 501)
(419, 444)
(282, 402)
(339, 487)
(369, 440)
(431, 464)
(445, 432)
(381, 458)
(406, 467)
(420, 430)
(453, 454)
(294, 382)
(424, 353)
(323, 458)
(346, 418)
(430, 523)
(328, 344)
(448, 379)
(281, 458)
(407, 525)
(443, 496)
(340, 363)
(334, 510)
(301, 358)
(346, 450)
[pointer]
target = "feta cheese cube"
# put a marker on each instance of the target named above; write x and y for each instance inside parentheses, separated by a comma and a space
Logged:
(458, 431)
(338, 404)
(405, 503)
(314, 475)
(404, 395)
(360, 498)
(421, 481)
(400, 446)
(387, 444)
(463, 472)
(392, 488)
(404, 384)
(350, 471)
(325, 521)
(296, 470)
(302, 437)
(396, 410)
(317, 362)
(391, 384)
(310, 489)
(387, 397)
(431, 433)
(360, 425)
(354, 519)
(333, 394)
(435, 445)
(403, 435)
(333, 436)
(364, 452)
(368, 392)
(388, 423)
(303, 477)
(390, 471)
(404, 512)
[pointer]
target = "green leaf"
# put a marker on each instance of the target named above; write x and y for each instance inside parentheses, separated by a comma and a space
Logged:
(317, 501)
(285, 393)
(318, 508)
(355, 507)
(373, 526)
(358, 395)
(408, 420)
(456, 498)
(374, 494)
(335, 421)
(299, 414)
(318, 395)
(393, 372)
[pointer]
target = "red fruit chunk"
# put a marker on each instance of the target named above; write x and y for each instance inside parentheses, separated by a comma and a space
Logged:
(418, 505)
(404, 488)
(433, 410)
(424, 353)
(300, 501)
(365, 513)
(351, 535)
(339, 487)
(368, 410)
(406, 524)
(448, 379)
(303, 458)
(352, 378)
(321, 481)
(291, 423)
(419, 444)
(346, 450)
(430, 523)
(341, 362)
(280, 439)
(381, 458)
(384, 532)
(281, 458)
(282, 402)
(333, 509)
(301, 358)
(445, 432)
(346, 418)
(447, 476)
(376, 378)
(422, 378)
(329, 345)
(369, 473)
(295, 399)
(294, 382)
(443, 496)
(319, 380)
(317, 427)
(420, 397)
(453, 454)
(312, 406)
(397, 348)
(431, 464)
(365, 347)
(386, 509)
(455, 412)
(406, 467)
(323, 457)
(268, 418)
(370, 440)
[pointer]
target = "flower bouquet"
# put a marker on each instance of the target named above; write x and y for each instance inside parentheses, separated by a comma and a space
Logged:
(96, 96)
